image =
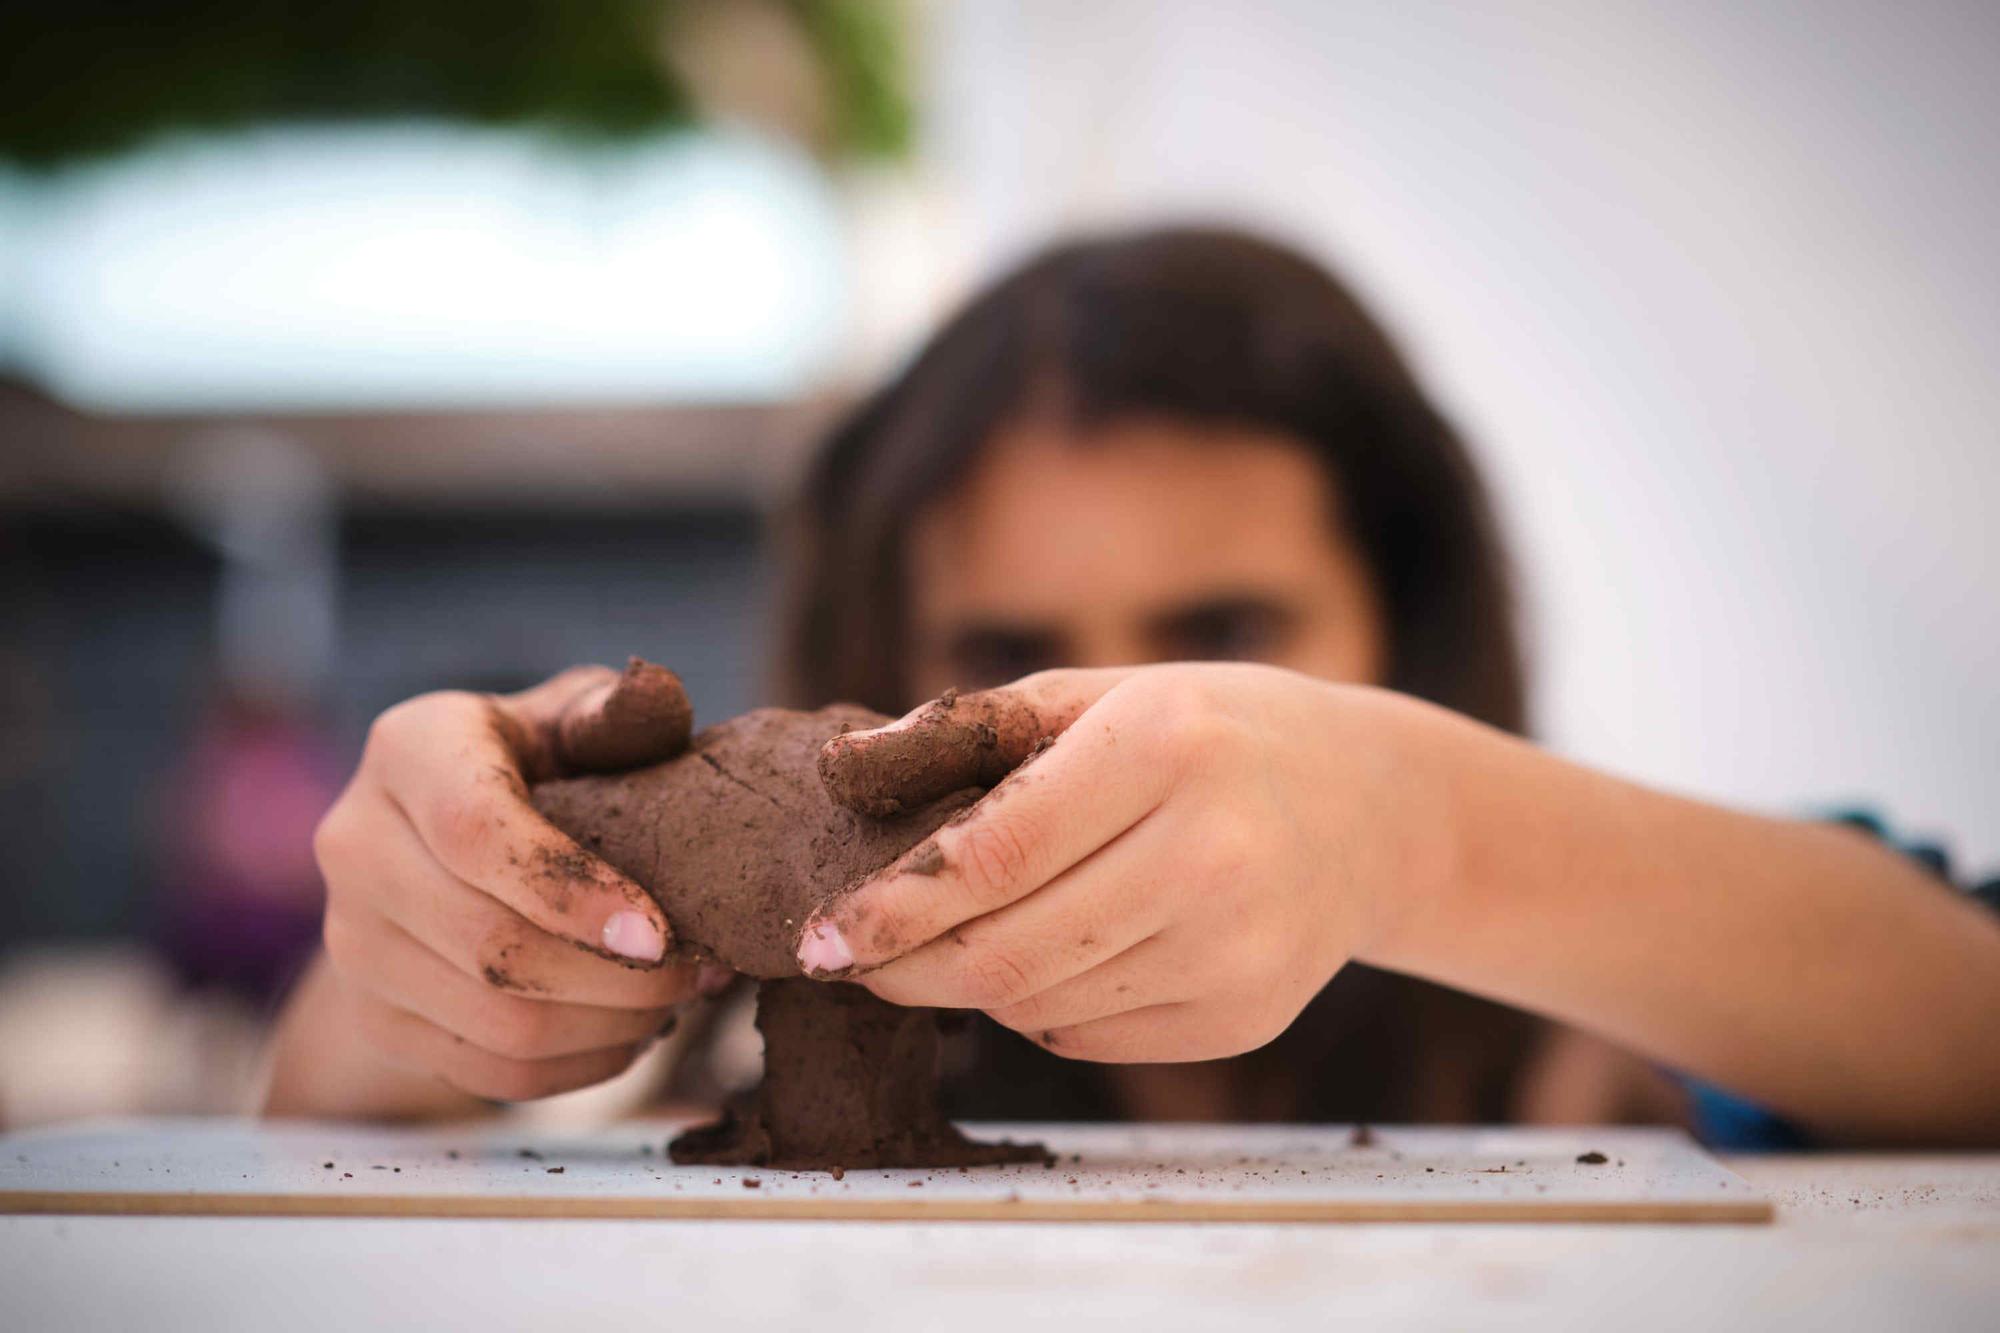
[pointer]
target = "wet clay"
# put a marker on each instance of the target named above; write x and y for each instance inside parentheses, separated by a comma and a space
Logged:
(849, 1081)
(739, 841)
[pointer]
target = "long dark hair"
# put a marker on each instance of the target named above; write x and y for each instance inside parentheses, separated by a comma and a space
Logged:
(1203, 325)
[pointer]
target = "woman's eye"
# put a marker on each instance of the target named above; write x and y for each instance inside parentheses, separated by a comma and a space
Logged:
(1225, 632)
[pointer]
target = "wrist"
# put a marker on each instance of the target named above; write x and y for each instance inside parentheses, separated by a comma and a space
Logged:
(1428, 810)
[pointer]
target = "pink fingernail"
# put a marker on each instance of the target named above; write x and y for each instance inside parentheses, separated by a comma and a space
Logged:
(823, 950)
(633, 935)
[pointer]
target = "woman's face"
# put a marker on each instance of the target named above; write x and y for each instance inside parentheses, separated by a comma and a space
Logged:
(1140, 541)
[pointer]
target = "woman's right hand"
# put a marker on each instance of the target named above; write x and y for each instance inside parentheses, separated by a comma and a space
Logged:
(468, 940)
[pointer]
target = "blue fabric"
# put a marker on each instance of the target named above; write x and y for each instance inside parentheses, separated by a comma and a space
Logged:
(1729, 1123)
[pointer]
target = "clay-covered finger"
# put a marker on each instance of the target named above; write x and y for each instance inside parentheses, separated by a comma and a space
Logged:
(641, 717)
(1089, 787)
(954, 742)
(377, 863)
(381, 958)
(449, 763)
(421, 1046)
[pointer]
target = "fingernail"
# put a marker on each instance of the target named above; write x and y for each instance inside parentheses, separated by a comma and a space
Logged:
(633, 935)
(713, 979)
(823, 950)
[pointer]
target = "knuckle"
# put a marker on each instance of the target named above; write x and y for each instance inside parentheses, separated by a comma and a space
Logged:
(993, 855)
(1071, 1043)
(333, 841)
(460, 819)
(393, 725)
(996, 979)
(1261, 1022)
(518, 1029)
(400, 726)
(499, 959)
(336, 937)
(1021, 1016)
(503, 1079)
(1230, 850)
(377, 1025)
(1190, 720)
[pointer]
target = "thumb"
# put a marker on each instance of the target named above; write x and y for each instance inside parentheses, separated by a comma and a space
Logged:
(956, 741)
(642, 717)
(594, 720)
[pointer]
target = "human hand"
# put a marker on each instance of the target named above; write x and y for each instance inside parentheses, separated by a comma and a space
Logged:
(471, 940)
(1199, 849)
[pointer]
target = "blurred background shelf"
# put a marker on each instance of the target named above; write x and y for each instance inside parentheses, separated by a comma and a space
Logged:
(564, 458)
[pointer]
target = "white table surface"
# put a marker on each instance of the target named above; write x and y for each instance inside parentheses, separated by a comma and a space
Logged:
(1861, 1241)
(1106, 1172)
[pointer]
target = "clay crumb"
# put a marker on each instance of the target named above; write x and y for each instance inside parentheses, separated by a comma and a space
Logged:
(1592, 1158)
(529, 1153)
(916, 1184)
(839, 1173)
(327, 1165)
(752, 1182)
(926, 860)
(452, 1153)
(949, 698)
(555, 1170)
(1362, 1137)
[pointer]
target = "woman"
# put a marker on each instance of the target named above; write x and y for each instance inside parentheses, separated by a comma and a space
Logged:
(1182, 491)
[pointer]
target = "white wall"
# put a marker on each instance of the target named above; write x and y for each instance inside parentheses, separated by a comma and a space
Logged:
(1715, 293)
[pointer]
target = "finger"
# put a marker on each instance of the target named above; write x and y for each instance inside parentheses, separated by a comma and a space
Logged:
(1137, 1036)
(1091, 913)
(955, 741)
(639, 717)
(1140, 977)
(381, 958)
(376, 862)
(449, 763)
(1089, 787)
(417, 1044)
(1212, 1027)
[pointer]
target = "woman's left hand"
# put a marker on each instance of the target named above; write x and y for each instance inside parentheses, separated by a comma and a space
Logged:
(1198, 850)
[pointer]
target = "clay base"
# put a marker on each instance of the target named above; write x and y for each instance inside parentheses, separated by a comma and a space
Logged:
(850, 1081)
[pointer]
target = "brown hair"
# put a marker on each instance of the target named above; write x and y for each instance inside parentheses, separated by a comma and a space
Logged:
(1203, 325)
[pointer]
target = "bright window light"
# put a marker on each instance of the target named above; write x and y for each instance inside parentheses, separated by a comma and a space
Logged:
(422, 265)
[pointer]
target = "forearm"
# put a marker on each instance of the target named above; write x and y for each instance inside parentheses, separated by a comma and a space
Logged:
(321, 1067)
(1798, 964)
